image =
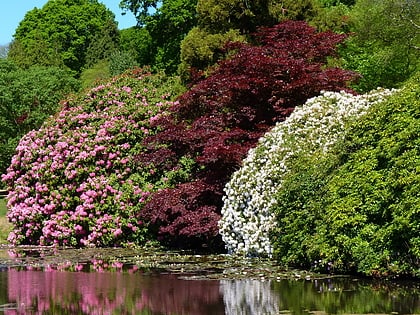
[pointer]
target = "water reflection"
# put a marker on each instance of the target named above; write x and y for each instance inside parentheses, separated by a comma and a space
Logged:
(100, 287)
(248, 296)
(61, 292)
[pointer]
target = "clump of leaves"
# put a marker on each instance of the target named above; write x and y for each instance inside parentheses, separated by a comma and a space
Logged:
(356, 209)
(221, 117)
(74, 181)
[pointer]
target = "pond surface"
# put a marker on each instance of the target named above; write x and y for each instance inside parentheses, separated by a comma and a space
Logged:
(114, 281)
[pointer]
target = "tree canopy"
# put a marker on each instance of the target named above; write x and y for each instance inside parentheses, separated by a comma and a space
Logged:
(60, 33)
(140, 8)
(167, 23)
(219, 22)
(385, 47)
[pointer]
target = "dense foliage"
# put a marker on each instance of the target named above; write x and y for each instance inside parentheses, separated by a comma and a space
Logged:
(138, 42)
(126, 164)
(162, 25)
(356, 208)
(220, 21)
(61, 32)
(27, 98)
(385, 48)
(74, 182)
(202, 27)
(168, 27)
(248, 213)
(222, 116)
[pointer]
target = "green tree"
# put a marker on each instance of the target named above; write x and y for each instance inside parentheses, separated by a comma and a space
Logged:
(331, 3)
(168, 27)
(137, 41)
(386, 48)
(201, 49)
(221, 16)
(304, 10)
(140, 8)
(27, 98)
(121, 61)
(60, 33)
(105, 44)
(167, 22)
(332, 17)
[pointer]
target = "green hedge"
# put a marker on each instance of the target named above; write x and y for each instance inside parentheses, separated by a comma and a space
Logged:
(357, 208)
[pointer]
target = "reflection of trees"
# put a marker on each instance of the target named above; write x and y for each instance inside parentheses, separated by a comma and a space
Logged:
(248, 297)
(60, 292)
(347, 296)
(169, 295)
(57, 292)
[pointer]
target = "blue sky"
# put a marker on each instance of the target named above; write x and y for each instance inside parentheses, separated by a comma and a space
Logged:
(13, 11)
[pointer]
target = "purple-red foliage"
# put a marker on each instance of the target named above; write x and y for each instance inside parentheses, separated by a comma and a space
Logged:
(186, 215)
(220, 118)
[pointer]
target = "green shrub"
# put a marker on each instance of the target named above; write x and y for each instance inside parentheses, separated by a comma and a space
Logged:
(92, 76)
(356, 209)
(121, 61)
(5, 226)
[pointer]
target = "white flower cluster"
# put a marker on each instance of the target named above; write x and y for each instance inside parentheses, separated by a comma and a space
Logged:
(247, 215)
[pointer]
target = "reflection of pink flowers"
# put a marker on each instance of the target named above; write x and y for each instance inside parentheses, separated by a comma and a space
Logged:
(109, 292)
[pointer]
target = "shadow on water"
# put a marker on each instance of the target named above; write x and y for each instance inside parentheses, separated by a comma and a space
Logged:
(116, 281)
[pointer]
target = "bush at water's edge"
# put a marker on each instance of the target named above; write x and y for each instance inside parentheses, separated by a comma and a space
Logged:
(75, 182)
(248, 213)
(356, 209)
(82, 179)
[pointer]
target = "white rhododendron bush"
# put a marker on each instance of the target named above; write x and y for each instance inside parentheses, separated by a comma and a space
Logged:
(247, 214)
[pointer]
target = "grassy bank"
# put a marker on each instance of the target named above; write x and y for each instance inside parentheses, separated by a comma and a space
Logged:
(5, 226)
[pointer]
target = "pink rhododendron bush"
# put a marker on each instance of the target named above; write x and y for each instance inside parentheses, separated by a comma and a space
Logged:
(74, 181)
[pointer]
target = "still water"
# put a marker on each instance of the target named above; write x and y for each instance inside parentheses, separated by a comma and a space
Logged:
(127, 289)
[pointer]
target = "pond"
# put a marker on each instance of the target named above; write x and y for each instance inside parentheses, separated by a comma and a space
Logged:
(116, 281)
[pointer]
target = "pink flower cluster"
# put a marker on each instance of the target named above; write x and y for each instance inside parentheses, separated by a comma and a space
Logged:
(74, 181)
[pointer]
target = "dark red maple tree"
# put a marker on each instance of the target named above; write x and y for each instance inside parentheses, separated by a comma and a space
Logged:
(222, 116)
